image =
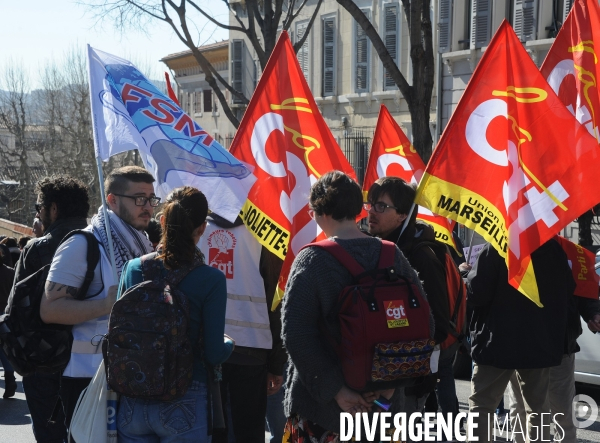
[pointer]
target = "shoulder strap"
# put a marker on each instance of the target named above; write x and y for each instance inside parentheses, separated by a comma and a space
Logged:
(341, 255)
(173, 277)
(388, 254)
(92, 257)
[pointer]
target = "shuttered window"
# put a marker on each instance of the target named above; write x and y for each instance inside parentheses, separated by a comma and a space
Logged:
(362, 57)
(197, 102)
(567, 5)
(303, 53)
(207, 93)
(525, 19)
(237, 75)
(390, 38)
(445, 26)
(481, 22)
(329, 54)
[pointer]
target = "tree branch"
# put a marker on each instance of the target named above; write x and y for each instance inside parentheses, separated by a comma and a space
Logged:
(309, 26)
(212, 20)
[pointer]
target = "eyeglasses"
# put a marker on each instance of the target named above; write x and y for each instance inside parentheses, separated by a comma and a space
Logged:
(140, 200)
(38, 207)
(379, 206)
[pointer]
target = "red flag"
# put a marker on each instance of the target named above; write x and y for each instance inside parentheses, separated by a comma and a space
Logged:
(571, 66)
(284, 137)
(170, 91)
(513, 164)
(392, 154)
(582, 264)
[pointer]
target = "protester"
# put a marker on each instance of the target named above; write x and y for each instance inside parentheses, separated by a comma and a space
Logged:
(154, 232)
(561, 385)
(7, 274)
(316, 393)
(390, 201)
(13, 247)
(255, 369)
(130, 199)
(184, 419)
(38, 229)
(23, 241)
(509, 333)
(62, 206)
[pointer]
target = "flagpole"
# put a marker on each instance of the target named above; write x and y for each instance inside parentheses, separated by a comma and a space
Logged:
(406, 220)
(470, 246)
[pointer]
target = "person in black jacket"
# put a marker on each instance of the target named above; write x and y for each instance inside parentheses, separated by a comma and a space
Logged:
(390, 200)
(510, 333)
(63, 207)
(7, 275)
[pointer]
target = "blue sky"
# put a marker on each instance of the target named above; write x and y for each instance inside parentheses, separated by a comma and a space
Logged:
(34, 31)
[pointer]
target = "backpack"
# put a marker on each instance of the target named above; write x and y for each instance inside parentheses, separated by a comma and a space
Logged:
(30, 344)
(457, 292)
(384, 323)
(147, 351)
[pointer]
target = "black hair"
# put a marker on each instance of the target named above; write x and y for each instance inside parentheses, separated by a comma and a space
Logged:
(154, 231)
(336, 194)
(117, 182)
(70, 195)
(185, 209)
(401, 193)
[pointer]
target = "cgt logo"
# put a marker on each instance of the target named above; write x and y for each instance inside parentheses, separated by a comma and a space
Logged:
(221, 244)
(395, 314)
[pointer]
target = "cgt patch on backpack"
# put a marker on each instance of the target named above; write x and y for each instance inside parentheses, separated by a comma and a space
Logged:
(147, 351)
(384, 321)
(457, 292)
(30, 344)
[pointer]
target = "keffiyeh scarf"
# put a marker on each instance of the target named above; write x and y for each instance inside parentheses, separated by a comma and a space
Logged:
(128, 242)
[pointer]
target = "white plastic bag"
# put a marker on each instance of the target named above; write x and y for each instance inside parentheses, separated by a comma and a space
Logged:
(94, 420)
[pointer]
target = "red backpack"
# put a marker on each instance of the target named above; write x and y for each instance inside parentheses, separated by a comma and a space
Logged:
(384, 321)
(457, 292)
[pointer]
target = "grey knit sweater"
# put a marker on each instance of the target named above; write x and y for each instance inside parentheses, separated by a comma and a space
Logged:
(314, 284)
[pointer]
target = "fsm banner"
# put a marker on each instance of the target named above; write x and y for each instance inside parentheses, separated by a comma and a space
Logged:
(129, 112)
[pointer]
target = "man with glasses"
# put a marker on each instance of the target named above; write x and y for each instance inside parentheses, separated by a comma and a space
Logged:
(62, 206)
(389, 204)
(131, 201)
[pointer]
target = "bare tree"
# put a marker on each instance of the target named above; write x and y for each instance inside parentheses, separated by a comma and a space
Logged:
(16, 145)
(264, 19)
(417, 96)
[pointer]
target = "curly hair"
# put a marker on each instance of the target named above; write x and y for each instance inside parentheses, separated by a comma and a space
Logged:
(117, 182)
(336, 194)
(185, 209)
(70, 195)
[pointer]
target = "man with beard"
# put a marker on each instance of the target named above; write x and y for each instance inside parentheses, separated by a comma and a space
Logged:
(389, 203)
(62, 206)
(131, 200)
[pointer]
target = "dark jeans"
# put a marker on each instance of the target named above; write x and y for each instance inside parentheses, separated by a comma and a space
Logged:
(42, 395)
(70, 390)
(246, 388)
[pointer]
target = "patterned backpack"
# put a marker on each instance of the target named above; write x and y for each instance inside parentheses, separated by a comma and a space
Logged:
(147, 351)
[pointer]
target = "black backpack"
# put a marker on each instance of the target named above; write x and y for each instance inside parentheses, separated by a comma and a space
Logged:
(30, 344)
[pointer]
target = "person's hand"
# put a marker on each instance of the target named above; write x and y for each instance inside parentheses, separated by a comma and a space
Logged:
(594, 323)
(351, 401)
(464, 267)
(274, 383)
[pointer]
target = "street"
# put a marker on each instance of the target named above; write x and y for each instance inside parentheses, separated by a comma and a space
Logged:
(15, 423)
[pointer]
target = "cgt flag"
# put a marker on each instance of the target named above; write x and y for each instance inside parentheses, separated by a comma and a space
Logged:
(571, 66)
(532, 168)
(285, 138)
(392, 154)
(129, 112)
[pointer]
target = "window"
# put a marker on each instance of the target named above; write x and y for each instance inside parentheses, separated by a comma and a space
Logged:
(525, 19)
(390, 38)
(361, 45)
(445, 26)
(207, 102)
(237, 75)
(481, 22)
(567, 4)
(303, 53)
(329, 54)
(197, 102)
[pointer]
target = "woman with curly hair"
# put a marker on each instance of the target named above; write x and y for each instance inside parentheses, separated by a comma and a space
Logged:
(184, 419)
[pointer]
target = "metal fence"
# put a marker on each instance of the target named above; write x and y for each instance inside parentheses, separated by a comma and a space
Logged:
(355, 146)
